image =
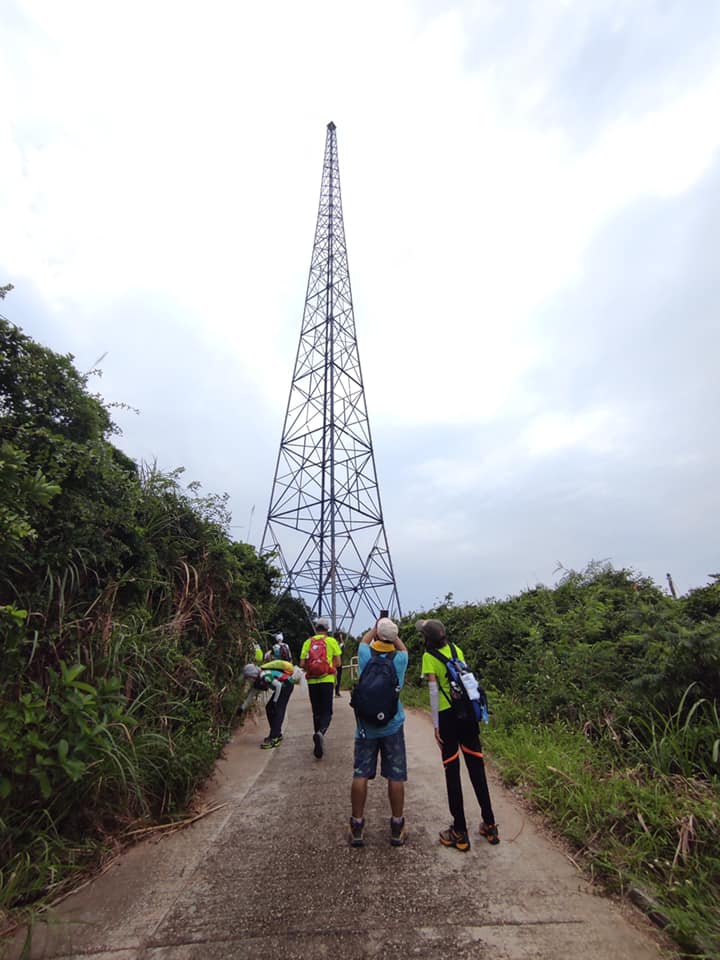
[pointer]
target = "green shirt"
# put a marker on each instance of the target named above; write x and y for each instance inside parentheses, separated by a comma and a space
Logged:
(332, 649)
(431, 664)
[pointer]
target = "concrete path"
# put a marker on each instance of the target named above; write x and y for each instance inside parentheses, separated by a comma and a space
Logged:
(234, 886)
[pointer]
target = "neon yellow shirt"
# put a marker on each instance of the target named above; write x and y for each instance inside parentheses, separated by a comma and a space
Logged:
(332, 648)
(432, 665)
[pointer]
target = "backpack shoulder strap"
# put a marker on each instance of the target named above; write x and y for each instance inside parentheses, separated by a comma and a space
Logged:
(439, 656)
(390, 657)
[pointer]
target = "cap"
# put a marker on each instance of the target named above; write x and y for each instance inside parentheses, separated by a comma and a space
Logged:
(386, 630)
(251, 671)
(321, 623)
(431, 629)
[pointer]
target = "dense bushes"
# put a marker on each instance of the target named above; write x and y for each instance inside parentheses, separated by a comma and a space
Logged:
(125, 614)
(605, 700)
(603, 645)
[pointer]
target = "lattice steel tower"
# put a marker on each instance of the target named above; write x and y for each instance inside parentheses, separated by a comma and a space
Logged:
(325, 520)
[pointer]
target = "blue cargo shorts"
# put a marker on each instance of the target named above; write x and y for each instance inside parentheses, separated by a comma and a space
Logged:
(393, 762)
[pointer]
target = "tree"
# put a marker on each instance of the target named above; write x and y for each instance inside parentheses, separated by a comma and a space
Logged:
(42, 390)
(22, 492)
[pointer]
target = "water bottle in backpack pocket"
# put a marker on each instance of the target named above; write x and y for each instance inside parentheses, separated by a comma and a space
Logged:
(469, 681)
(467, 698)
(476, 695)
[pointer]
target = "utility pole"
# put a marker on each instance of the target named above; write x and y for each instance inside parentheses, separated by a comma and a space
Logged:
(671, 585)
(325, 523)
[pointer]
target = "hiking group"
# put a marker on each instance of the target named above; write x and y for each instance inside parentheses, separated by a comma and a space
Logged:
(456, 701)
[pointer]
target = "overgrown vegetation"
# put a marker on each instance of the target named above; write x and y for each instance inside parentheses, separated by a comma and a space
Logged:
(606, 699)
(126, 613)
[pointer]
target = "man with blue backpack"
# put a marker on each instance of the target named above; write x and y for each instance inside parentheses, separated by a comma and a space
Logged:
(382, 664)
(457, 704)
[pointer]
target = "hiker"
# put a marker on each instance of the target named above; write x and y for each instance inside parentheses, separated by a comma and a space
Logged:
(279, 650)
(279, 676)
(320, 658)
(338, 678)
(382, 642)
(454, 734)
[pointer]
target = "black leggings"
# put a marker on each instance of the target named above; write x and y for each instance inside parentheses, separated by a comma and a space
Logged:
(321, 701)
(462, 736)
(275, 710)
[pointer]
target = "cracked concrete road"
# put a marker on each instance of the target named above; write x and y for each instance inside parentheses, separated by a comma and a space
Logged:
(232, 886)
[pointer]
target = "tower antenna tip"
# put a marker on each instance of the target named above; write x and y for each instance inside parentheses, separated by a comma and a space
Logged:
(331, 126)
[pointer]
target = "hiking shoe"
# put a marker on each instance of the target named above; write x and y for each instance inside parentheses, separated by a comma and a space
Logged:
(455, 838)
(398, 832)
(270, 742)
(355, 834)
(318, 748)
(490, 832)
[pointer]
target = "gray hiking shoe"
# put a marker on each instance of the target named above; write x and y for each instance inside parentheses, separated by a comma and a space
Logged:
(355, 833)
(318, 749)
(398, 832)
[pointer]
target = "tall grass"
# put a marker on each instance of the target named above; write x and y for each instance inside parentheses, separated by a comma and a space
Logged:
(686, 742)
(135, 751)
(637, 825)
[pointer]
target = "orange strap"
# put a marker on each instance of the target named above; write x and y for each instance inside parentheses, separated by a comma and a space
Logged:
(472, 753)
(453, 757)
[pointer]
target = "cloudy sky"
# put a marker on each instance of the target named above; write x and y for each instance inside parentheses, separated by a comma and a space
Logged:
(531, 192)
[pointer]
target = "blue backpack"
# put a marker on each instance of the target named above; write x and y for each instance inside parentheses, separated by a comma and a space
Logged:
(376, 695)
(467, 698)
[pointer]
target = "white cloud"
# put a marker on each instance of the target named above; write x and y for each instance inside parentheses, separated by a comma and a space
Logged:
(167, 154)
(183, 154)
(598, 430)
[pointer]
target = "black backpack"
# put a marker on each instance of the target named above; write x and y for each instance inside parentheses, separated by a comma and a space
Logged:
(376, 695)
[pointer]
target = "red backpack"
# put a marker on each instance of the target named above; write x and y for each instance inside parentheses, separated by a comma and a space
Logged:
(317, 659)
